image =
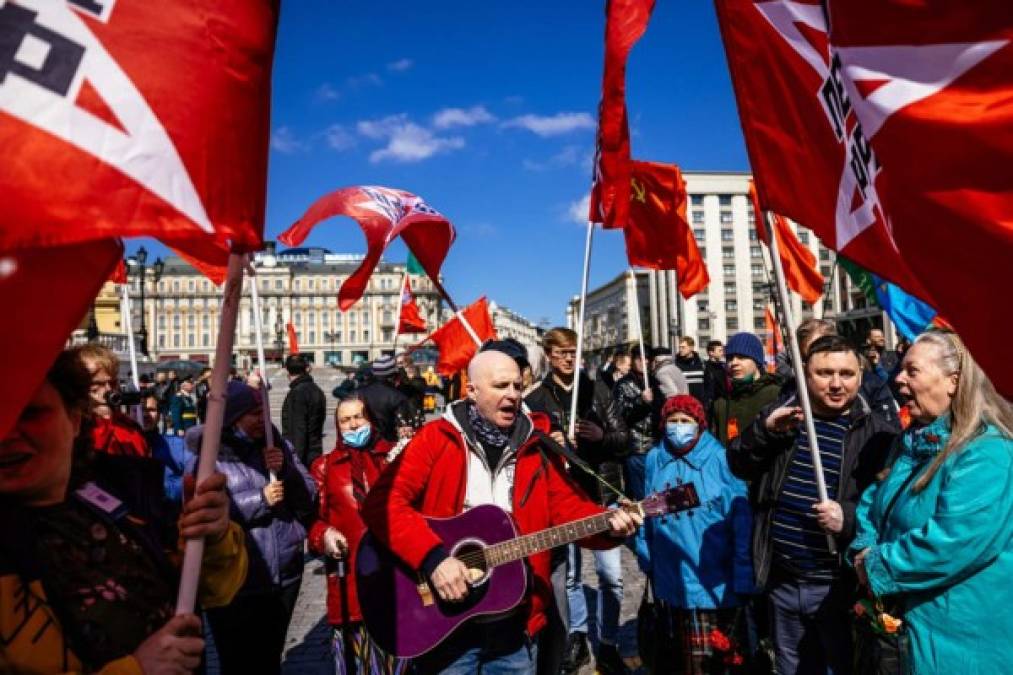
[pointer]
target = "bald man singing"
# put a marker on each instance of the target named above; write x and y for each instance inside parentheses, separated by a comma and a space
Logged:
(483, 451)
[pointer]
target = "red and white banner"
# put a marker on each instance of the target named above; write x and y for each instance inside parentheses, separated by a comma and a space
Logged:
(133, 118)
(410, 320)
(383, 214)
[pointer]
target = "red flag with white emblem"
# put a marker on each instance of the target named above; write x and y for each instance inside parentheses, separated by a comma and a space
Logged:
(134, 118)
(411, 320)
(383, 214)
(932, 87)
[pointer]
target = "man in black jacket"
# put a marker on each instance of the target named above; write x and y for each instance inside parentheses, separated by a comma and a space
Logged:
(303, 412)
(383, 399)
(636, 403)
(691, 366)
(808, 590)
(602, 441)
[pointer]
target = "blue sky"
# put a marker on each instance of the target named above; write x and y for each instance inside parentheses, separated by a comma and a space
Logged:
(486, 109)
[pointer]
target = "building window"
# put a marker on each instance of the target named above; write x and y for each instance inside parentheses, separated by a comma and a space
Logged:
(733, 323)
(205, 340)
(191, 321)
(825, 254)
(754, 251)
(752, 234)
(703, 252)
(699, 233)
(388, 316)
(311, 284)
(728, 270)
(729, 287)
(353, 337)
(728, 253)
(365, 335)
(175, 288)
(388, 335)
(191, 286)
(756, 269)
(804, 237)
(751, 216)
(759, 323)
(313, 337)
(726, 217)
(731, 306)
(297, 318)
(205, 321)
(277, 284)
(696, 200)
(825, 270)
(312, 318)
(697, 217)
(702, 305)
(191, 340)
(176, 322)
(161, 342)
(352, 318)
(161, 321)
(726, 235)
(175, 340)
(704, 324)
(759, 304)
(725, 200)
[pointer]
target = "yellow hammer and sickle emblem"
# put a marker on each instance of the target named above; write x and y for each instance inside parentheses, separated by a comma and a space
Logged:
(639, 191)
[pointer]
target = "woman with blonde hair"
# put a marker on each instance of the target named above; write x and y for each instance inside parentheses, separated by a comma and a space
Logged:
(934, 539)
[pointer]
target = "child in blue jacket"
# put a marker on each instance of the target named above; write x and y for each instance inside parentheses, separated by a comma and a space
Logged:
(699, 562)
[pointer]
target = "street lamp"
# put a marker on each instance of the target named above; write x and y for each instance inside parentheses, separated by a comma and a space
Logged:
(141, 257)
(279, 334)
(332, 338)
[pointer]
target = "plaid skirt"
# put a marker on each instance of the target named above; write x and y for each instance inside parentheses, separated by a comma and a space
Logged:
(355, 654)
(700, 641)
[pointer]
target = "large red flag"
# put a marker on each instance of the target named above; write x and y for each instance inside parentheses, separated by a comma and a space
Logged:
(800, 270)
(932, 87)
(657, 234)
(293, 339)
(45, 291)
(625, 22)
(410, 320)
(455, 343)
(810, 161)
(134, 118)
(383, 214)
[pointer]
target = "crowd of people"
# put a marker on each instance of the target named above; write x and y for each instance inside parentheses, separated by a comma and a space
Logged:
(901, 568)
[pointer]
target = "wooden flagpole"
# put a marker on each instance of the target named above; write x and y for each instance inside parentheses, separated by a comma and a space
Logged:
(258, 325)
(796, 358)
(194, 551)
(640, 328)
(571, 432)
(128, 326)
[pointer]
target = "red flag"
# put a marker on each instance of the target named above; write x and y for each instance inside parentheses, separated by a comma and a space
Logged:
(293, 342)
(456, 344)
(774, 343)
(142, 119)
(810, 162)
(119, 274)
(383, 214)
(931, 85)
(800, 270)
(657, 234)
(625, 22)
(50, 290)
(409, 321)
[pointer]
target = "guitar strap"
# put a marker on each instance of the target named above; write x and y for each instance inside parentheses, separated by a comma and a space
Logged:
(569, 455)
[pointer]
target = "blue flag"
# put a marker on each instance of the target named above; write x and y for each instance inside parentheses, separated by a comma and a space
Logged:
(911, 315)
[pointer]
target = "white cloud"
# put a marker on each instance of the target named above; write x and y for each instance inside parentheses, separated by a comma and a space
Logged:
(406, 141)
(327, 92)
(285, 141)
(400, 65)
(570, 155)
(462, 117)
(552, 125)
(339, 138)
(362, 80)
(578, 210)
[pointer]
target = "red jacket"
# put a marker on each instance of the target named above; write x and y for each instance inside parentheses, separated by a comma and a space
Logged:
(119, 435)
(429, 479)
(339, 509)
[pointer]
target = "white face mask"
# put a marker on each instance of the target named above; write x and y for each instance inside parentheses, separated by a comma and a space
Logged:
(681, 434)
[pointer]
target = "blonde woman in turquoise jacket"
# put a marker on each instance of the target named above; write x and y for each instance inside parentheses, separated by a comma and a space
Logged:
(937, 533)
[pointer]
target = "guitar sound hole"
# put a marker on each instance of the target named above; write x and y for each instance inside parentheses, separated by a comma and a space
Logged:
(471, 554)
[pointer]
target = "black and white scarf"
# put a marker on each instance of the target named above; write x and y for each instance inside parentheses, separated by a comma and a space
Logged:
(487, 433)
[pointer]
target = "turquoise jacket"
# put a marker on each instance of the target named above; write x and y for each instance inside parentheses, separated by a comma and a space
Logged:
(946, 552)
(701, 558)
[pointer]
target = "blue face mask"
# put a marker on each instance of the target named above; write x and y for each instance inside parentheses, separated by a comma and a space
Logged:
(681, 434)
(357, 438)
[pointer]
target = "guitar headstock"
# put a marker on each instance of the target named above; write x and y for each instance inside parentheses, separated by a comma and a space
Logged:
(679, 498)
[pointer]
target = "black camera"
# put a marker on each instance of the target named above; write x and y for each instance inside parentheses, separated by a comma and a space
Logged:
(118, 398)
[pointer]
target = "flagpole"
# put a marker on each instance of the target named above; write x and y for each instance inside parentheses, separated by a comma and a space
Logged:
(400, 306)
(640, 328)
(457, 312)
(258, 325)
(571, 433)
(128, 326)
(211, 438)
(796, 358)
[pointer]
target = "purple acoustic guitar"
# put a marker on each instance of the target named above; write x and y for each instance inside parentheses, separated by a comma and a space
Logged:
(405, 616)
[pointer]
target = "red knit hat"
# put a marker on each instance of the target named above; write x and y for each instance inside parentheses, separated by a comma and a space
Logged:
(683, 403)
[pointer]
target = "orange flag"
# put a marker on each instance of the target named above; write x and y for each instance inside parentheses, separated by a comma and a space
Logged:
(657, 234)
(774, 343)
(293, 342)
(800, 270)
(455, 343)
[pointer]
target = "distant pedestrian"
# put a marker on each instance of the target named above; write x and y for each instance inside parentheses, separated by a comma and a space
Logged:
(382, 397)
(669, 377)
(691, 365)
(636, 404)
(201, 390)
(715, 375)
(183, 407)
(751, 389)
(170, 450)
(304, 411)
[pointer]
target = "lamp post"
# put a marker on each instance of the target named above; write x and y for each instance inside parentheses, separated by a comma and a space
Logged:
(279, 334)
(141, 257)
(331, 337)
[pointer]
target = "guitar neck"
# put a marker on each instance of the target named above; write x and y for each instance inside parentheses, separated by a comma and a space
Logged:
(529, 544)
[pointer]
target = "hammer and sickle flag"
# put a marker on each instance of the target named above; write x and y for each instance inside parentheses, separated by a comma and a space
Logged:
(657, 234)
(124, 118)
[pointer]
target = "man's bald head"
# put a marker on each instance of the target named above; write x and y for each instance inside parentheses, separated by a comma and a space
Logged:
(494, 384)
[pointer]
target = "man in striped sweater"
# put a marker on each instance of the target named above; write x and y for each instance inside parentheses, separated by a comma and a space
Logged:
(808, 589)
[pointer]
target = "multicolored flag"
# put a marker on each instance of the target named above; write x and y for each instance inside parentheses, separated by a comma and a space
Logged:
(799, 264)
(413, 266)
(625, 22)
(455, 342)
(409, 320)
(657, 234)
(293, 339)
(383, 214)
(130, 118)
(910, 315)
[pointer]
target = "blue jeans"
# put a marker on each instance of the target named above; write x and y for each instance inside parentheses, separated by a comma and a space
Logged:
(636, 468)
(495, 648)
(608, 564)
(811, 628)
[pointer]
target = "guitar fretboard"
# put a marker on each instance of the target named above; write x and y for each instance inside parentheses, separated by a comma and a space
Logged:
(522, 547)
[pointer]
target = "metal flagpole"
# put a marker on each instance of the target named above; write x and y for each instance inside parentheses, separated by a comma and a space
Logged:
(580, 333)
(128, 326)
(457, 312)
(640, 328)
(796, 358)
(258, 325)
(194, 551)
